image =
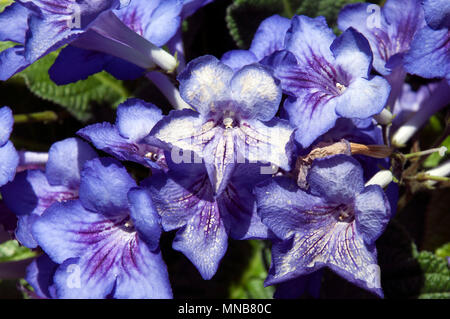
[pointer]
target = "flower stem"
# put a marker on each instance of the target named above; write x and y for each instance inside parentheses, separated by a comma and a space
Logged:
(441, 150)
(438, 99)
(166, 87)
(45, 116)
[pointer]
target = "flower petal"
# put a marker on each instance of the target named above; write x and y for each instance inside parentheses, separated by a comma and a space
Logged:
(144, 216)
(338, 246)
(372, 213)
(65, 161)
(237, 204)
(285, 208)
(157, 21)
(203, 240)
(237, 59)
(338, 179)
(12, 61)
(7, 122)
(312, 114)
(429, 56)
(30, 194)
(270, 36)
(40, 276)
(104, 186)
(372, 93)
(67, 230)
(266, 142)
(186, 130)
(204, 83)
(309, 38)
(45, 35)
(9, 159)
(352, 52)
(119, 269)
(437, 13)
(136, 118)
(13, 23)
(106, 137)
(256, 92)
(180, 194)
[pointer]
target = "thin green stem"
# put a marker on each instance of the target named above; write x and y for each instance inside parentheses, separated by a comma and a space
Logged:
(109, 82)
(45, 116)
(442, 150)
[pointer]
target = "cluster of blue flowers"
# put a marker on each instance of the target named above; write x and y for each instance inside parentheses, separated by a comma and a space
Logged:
(279, 142)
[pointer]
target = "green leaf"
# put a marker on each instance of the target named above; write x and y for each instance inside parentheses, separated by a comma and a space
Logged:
(436, 276)
(78, 98)
(242, 28)
(434, 159)
(443, 251)
(251, 284)
(4, 4)
(408, 273)
(6, 45)
(12, 251)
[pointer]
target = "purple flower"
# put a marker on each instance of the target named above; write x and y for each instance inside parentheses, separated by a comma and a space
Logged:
(107, 242)
(335, 224)
(410, 102)
(326, 77)
(234, 121)
(9, 159)
(389, 30)
(43, 26)
(185, 200)
(33, 191)
(154, 20)
(124, 139)
(190, 6)
(40, 276)
(268, 39)
(437, 13)
(429, 56)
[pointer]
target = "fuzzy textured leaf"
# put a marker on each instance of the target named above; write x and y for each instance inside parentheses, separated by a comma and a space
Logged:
(78, 98)
(12, 251)
(251, 285)
(242, 28)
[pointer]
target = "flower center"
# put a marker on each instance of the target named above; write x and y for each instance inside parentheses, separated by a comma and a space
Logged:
(345, 213)
(228, 122)
(228, 119)
(128, 226)
(341, 88)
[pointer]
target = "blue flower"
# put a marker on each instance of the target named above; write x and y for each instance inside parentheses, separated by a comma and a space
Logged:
(106, 242)
(326, 77)
(154, 20)
(185, 200)
(268, 39)
(429, 56)
(124, 139)
(9, 159)
(437, 13)
(39, 275)
(389, 30)
(334, 224)
(233, 122)
(33, 191)
(190, 6)
(40, 27)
